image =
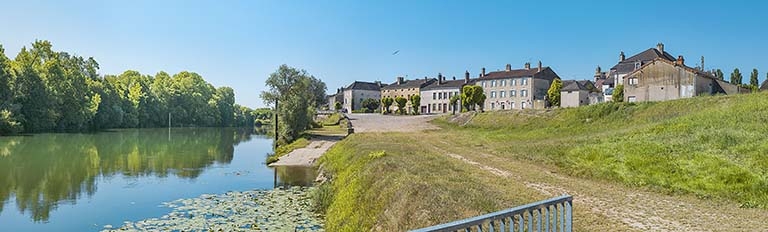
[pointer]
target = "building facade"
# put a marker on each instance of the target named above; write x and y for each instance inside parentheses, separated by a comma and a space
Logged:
(578, 93)
(607, 81)
(354, 94)
(516, 88)
(436, 97)
(662, 79)
(405, 88)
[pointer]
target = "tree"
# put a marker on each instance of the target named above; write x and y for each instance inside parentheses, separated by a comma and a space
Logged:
(753, 82)
(386, 102)
(318, 91)
(401, 102)
(415, 103)
(337, 106)
(292, 89)
(618, 93)
(719, 74)
(553, 93)
(736, 77)
(370, 104)
(472, 96)
(455, 101)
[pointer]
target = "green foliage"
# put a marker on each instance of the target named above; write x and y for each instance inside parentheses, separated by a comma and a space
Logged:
(295, 92)
(736, 77)
(387, 102)
(472, 96)
(332, 120)
(401, 102)
(618, 93)
(378, 154)
(719, 74)
(753, 79)
(455, 101)
(553, 93)
(46, 90)
(415, 103)
(8, 124)
(337, 106)
(370, 105)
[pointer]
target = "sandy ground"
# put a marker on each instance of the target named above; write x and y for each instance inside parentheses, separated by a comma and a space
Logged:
(387, 123)
(308, 155)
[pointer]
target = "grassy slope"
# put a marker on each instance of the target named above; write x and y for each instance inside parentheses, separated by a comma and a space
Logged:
(707, 146)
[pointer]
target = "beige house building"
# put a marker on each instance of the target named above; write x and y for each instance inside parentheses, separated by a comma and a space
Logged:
(436, 97)
(405, 88)
(516, 88)
(354, 94)
(607, 81)
(578, 93)
(662, 79)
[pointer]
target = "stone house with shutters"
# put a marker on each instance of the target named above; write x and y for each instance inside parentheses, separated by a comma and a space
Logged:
(436, 97)
(405, 88)
(516, 88)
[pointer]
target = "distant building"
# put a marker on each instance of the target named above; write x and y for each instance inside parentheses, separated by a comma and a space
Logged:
(405, 88)
(336, 97)
(354, 94)
(435, 97)
(578, 93)
(607, 81)
(664, 79)
(516, 88)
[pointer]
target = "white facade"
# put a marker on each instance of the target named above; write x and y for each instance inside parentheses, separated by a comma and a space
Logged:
(353, 98)
(437, 101)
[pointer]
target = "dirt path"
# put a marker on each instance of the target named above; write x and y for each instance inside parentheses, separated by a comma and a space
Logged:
(387, 123)
(308, 155)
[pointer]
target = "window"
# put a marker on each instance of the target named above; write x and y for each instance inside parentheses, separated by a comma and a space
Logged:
(502, 105)
(524, 81)
(522, 105)
(434, 96)
(523, 93)
(502, 94)
(493, 83)
(493, 94)
(633, 81)
(493, 105)
(503, 83)
(512, 105)
(450, 95)
(514, 82)
(631, 99)
(512, 93)
(483, 84)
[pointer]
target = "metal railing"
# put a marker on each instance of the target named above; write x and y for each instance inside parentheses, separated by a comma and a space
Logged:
(554, 214)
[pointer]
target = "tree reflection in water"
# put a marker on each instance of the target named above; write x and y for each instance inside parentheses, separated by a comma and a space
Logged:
(43, 170)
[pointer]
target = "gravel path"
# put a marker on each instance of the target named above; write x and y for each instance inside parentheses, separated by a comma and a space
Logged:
(388, 123)
(308, 155)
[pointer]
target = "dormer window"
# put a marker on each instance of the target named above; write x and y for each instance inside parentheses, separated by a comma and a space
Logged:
(638, 64)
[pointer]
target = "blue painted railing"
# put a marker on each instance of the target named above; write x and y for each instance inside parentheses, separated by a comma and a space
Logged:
(548, 215)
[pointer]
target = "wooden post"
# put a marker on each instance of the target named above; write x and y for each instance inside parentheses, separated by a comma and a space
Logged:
(276, 135)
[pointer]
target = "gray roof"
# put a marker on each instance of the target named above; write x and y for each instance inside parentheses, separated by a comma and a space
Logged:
(764, 86)
(407, 84)
(628, 65)
(512, 73)
(574, 85)
(448, 84)
(361, 85)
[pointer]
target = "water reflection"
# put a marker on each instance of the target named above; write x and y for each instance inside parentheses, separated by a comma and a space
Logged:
(44, 170)
(294, 176)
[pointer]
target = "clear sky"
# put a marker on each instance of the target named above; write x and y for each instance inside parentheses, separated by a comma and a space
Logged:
(239, 43)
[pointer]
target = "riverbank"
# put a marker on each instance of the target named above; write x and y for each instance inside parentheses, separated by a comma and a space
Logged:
(505, 159)
(280, 209)
(306, 156)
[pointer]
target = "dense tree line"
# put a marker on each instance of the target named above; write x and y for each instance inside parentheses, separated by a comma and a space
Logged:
(45, 90)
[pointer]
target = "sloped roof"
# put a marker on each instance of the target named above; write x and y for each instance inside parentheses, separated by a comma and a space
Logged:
(689, 69)
(628, 65)
(449, 84)
(574, 85)
(407, 84)
(512, 73)
(764, 86)
(362, 85)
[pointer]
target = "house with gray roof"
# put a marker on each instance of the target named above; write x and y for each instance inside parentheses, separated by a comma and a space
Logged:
(405, 88)
(516, 88)
(578, 93)
(435, 97)
(606, 81)
(355, 93)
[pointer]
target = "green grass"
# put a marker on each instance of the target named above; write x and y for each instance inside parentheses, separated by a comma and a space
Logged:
(712, 147)
(332, 120)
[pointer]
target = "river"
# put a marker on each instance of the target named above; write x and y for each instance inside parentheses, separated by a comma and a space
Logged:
(82, 182)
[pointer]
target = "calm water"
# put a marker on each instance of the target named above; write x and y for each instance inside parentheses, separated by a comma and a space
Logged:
(81, 182)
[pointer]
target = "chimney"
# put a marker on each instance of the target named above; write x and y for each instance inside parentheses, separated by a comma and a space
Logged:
(466, 77)
(482, 74)
(702, 63)
(439, 78)
(527, 66)
(680, 60)
(399, 80)
(454, 78)
(621, 56)
(378, 83)
(660, 48)
(539, 66)
(509, 67)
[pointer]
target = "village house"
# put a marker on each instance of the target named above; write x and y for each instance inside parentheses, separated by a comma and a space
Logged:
(436, 97)
(516, 88)
(354, 94)
(663, 79)
(405, 88)
(578, 93)
(607, 81)
(336, 97)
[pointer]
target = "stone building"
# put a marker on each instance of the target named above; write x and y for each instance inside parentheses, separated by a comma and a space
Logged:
(435, 97)
(516, 88)
(405, 88)
(578, 93)
(607, 81)
(355, 93)
(663, 79)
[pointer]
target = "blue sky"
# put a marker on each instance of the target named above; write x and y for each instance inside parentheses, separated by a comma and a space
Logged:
(239, 43)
